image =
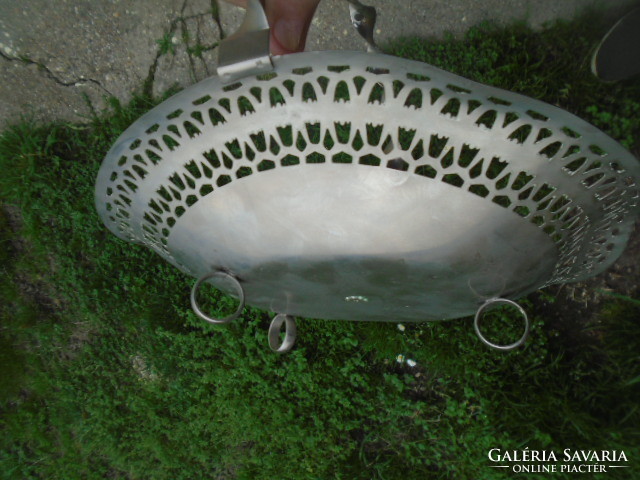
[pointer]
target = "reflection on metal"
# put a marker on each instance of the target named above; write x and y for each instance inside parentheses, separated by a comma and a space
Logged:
(356, 298)
(345, 176)
(492, 303)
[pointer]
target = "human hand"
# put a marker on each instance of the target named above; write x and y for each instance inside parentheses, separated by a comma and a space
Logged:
(289, 21)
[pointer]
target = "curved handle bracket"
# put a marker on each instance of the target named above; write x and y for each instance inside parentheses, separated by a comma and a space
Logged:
(363, 19)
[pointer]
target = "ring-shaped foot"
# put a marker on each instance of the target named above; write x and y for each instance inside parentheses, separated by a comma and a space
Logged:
(492, 303)
(204, 316)
(289, 336)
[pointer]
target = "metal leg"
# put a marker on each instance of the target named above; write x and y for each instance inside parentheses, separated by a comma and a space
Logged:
(493, 303)
(275, 329)
(204, 316)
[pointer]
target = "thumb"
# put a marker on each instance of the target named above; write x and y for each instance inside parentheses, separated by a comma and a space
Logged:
(289, 21)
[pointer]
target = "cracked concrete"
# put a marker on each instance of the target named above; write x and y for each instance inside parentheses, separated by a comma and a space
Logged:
(56, 55)
(191, 40)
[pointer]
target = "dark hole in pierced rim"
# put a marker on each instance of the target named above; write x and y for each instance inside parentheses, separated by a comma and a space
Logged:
(398, 164)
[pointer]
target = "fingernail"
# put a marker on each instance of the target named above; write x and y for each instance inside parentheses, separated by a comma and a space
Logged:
(288, 34)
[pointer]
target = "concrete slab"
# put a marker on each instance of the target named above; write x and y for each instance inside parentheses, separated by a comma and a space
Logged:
(53, 55)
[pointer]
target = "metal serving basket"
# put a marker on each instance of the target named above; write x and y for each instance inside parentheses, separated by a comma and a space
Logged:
(361, 186)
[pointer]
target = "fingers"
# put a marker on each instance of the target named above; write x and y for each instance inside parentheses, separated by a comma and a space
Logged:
(289, 21)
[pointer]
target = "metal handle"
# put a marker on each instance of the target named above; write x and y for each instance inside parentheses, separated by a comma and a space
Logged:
(363, 18)
(246, 52)
(204, 316)
(495, 302)
(289, 336)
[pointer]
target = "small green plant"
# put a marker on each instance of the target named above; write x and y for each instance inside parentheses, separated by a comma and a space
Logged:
(197, 50)
(167, 44)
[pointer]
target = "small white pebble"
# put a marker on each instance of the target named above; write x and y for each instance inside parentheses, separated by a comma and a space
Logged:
(175, 40)
(411, 363)
(401, 327)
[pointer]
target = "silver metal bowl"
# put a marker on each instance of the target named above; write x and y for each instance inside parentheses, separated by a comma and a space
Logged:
(361, 186)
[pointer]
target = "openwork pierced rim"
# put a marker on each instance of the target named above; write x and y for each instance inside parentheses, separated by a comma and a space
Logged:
(348, 108)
